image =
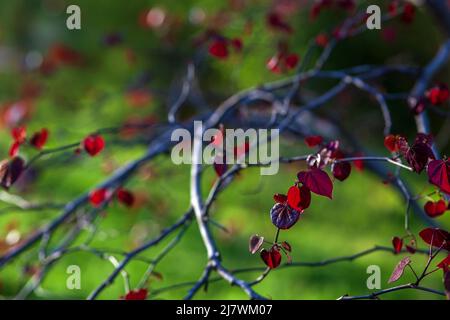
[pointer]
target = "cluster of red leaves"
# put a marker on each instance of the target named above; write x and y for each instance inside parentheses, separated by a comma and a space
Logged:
(437, 95)
(398, 243)
(417, 155)
(272, 256)
(219, 46)
(408, 12)
(99, 196)
(19, 135)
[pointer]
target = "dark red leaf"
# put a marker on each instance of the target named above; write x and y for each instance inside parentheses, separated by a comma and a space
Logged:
(444, 264)
(436, 237)
(220, 165)
(272, 257)
(313, 141)
(39, 139)
(439, 174)
(283, 216)
(435, 209)
(341, 170)
(291, 60)
(280, 198)
(409, 12)
(237, 44)
(94, 144)
(317, 181)
(397, 244)
(398, 270)
(255, 243)
(139, 294)
(275, 21)
(126, 197)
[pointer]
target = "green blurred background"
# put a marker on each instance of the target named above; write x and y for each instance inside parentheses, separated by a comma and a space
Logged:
(76, 100)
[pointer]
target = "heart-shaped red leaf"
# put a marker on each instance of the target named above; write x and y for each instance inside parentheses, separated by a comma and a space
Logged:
(272, 257)
(97, 197)
(435, 209)
(341, 170)
(138, 294)
(19, 134)
(94, 144)
(255, 243)
(436, 237)
(439, 174)
(397, 244)
(398, 270)
(317, 181)
(283, 216)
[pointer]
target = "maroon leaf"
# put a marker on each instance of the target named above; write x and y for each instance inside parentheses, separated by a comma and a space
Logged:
(397, 243)
(93, 144)
(255, 243)
(439, 174)
(39, 139)
(126, 197)
(272, 257)
(398, 270)
(341, 170)
(436, 237)
(444, 264)
(283, 216)
(435, 209)
(317, 181)
(138, 294)
(280, 198)
(418, 155)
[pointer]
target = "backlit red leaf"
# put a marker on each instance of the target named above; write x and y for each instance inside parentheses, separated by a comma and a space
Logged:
(317, 181)
(397, 244)
(435, 209)
(313, 141)
(97, 197)
(436, 237)
(272, 257)
(39, 139)
(94, 144)
(138, 294)
(439, 174)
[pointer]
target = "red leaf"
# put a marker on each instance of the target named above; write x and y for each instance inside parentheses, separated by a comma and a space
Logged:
(237, 44)
(139, 294)
(39, 139)
(97, 197)
(275, 21)
(280, 198)
(436, 237)
(322, 40)
(435, 209)
(439, 174)
(272, 257)
(220, 165)
(341, 170)
(398, 270)
(444, 264)
(293, 197)
(409, 12)
(218, 48)
(283, 216)
(313, 141)
(19, 134)
(317, 181)
(291, 60)
(126, 197)
(94, 144)
(14, 149)
(255, 243)
(438, 94)
(397, 243)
